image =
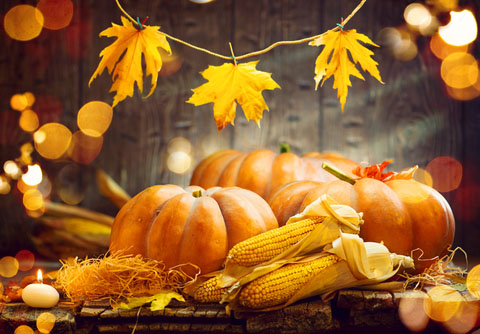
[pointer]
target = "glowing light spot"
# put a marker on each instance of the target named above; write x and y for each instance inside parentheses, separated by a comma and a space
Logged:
(179, 162)
(422, 176)
(179, 144)
(12, 170)
(389, 37)
(26, 150)
(36, 213)
(201, 1)
(441, 49)
(33, 200)
(52, 140)
(23, 22)
(84, 149)
(23, 187)
(23, 329)
(464, 319)
(445, 5)
(461, 30)
(29, 121)
(171, 63)
(442, 303)
(417, 15)
(411, 312)
(69, 185)
(33, 176)
(4, 185)
(46, 322)
(26, 260)
(30, 98)
(94, 118)
(473, 281)
(446, 173)
(57, 13)
(406, 50)
(467, 93)
(8, 266)
(19, 102)
(459, 70)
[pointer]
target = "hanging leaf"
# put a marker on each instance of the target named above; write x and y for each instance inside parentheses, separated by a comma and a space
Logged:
(334, 60)
(123, 58)
(229, 84)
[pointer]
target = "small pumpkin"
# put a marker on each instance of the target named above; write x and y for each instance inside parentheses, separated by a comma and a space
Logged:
(404, 214)
(177, 226)
(264, 171)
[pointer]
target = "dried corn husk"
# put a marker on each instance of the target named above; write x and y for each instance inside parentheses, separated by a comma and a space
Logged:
(111, 189)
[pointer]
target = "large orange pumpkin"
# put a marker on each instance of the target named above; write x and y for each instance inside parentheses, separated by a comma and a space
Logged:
(403, 213)
(178, 226)
(264, 171)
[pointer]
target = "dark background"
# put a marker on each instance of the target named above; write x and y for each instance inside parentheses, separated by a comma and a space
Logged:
(409, 119)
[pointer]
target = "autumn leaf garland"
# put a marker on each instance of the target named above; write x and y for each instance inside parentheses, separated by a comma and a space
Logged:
(228, 84)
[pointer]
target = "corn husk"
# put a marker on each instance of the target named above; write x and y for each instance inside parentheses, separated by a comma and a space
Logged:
(364, 264)
(111, 189)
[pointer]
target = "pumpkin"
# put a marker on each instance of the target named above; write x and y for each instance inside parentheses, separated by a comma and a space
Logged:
(264, 171)
(178, 226)
(404, 214)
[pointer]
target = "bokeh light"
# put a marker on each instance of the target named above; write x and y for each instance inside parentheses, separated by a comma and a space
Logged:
(26, 260)
(201, 1)
(464, 319)
(33, 200)
(26, 153)
(21, 102)
(461, 30)
(422, 176)
(444, 5)
(70, 184)
(23, 329)
(465, 94)
(29, 121)
(179, 162)
(406, 49)
(12, 170)
(46, 322)
(473, 281)
(8, 266)
(171, 63)
(4, 185)
(411, 312)
(417, 15)
(57, 13)
(84, 149)
(441, 49)
(442, 303)
(459, 70)
(23, 22)
(33, 176)
(94, 118)
(446, 173)
(179, 144)
(52, 140)
(23, 187)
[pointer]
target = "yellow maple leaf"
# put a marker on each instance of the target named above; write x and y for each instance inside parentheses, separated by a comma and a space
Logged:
(123, 57)
(334, 60)
(229, 84)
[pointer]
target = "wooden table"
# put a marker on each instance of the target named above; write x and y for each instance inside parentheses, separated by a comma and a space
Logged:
(350, 311)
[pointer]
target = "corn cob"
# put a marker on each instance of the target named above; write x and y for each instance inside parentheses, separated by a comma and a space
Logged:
(267, 245)
(280, 285)
(209, 291)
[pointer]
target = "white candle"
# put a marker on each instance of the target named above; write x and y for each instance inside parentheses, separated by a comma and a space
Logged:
(39, 294)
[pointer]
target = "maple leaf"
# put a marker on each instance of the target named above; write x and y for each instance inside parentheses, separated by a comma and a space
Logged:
(123, 57)
(334, 60)
(229, 84)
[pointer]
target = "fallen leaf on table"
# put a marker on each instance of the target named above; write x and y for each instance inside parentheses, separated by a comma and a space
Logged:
(123, 58)
(159, 301)
(334, 60)
(229, 84)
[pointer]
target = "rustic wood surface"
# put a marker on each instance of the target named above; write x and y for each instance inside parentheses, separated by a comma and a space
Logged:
(408, 119)
(350, 310)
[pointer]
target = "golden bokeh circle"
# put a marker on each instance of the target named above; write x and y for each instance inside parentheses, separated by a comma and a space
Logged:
(29, 121)
(33, 200)
(23, 329)
(473, 281)
(8, 266)
(52, 140)
(57, 13)
(23, 22)
(46, 322)
(94, 118)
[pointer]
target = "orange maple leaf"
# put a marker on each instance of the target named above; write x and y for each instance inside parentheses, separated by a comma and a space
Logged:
(334, 60)
(228, 84)
(124, 57)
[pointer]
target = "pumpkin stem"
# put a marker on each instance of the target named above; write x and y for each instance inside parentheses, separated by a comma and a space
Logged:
(197, 193)
(284, 148)
(338, 173)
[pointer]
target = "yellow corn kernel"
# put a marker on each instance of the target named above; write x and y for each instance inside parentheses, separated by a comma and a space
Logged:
(280, 285)
(209, 291)
(267, 245)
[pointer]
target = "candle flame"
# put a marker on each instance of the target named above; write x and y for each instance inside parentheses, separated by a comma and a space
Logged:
(39, 276)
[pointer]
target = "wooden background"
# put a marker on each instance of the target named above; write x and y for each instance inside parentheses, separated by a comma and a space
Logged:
(409, 118)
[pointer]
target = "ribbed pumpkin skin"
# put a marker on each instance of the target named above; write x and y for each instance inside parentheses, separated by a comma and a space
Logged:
(264, 171)
(167, 223)
(405, 214)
